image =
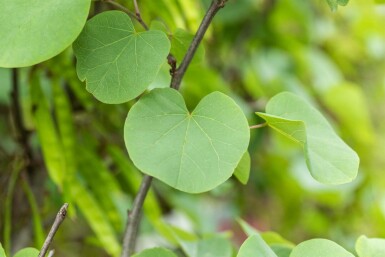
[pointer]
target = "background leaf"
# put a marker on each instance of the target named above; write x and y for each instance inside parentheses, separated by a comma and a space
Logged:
(119, 67)
(255, 246)
(27, 252)
(193, 152)
(38, 30)
(319, 248)
(156, 252)
(329, 159)
(370, 247)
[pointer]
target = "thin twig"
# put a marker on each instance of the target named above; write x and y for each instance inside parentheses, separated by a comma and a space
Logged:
(215, 6)
(258, 126)
(55, 226)
(130, 236)
(138, 16)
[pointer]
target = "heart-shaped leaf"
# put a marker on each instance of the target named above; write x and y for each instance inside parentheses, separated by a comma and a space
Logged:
(193, 152)
(329, 159)
(370, 247)
(117, 62)
(155, 252)
(255, 246)
(34, 31)
(27, 252)
(319, 248)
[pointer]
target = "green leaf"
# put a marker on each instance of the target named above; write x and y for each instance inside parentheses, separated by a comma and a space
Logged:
(370, 247)
(255, 246)
(155, 252)
(27, 252)
(208, 247)
(242, 171)
(319, 248)
(120, 66)
(329, 159)
(193, 152)
(335, 3)
(2, 252)
(34, 31)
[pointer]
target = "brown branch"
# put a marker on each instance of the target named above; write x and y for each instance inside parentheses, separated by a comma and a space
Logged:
(130, 236)
(55, 226)
(215, 6)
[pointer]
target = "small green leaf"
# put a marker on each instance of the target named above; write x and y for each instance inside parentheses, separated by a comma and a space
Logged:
(255, 246)
(270, 237)
(319, 248)
(155, 252)
(120, 66)
(34, 31)
(27, 252)
(370, 247)
(329, 159)
(193, 152)
(242, 171)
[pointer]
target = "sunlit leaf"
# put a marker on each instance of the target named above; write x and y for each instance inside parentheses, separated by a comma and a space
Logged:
(2, 252)
(255, 246)
(370, 247)
(34, 31)
(155, 252)
(319, 248)
(120, 66)
(193, 152)
(27, 252)
(329, 159)
(242, 171)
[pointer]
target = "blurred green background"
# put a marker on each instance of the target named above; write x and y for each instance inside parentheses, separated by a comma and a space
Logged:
(253, 50)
